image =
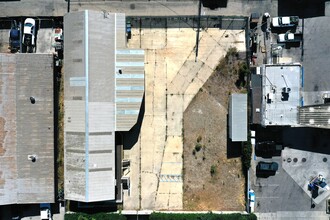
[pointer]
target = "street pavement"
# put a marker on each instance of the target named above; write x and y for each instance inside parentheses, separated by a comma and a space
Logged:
(133, 8)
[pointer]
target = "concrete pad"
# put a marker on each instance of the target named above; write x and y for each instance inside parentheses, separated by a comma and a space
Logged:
(166, 195)
(174, 115)
(302, 172)
(44, 41)
(187, 99)
(149, 182)
(285, 60)
(172, 79)
(153, 38)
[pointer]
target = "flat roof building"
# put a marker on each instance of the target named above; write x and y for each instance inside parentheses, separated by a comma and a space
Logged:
(103, 92)
(26, 129)
(281, 94)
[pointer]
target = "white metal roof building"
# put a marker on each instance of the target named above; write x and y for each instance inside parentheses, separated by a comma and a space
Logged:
(238, 117)
(26, 129)
(103, 87)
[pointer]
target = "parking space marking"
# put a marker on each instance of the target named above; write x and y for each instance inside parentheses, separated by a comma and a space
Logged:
(268, 197)
(266, 185)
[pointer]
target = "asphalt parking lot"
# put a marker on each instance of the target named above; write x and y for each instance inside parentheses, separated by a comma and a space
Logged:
(301, 159)
(316, 59)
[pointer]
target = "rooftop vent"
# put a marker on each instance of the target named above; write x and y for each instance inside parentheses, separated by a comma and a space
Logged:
(33, 158)
(33, 100)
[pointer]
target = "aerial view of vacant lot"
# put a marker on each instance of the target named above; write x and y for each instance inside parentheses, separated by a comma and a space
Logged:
(213, 180)
(183, 107)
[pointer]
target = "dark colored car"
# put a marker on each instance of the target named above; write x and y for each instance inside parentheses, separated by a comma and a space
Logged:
(14, 39)
(266, 168)
(267, 149)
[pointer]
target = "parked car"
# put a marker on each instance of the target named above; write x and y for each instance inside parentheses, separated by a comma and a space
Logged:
(268, 149)
(14, 39)
(29, 32)
(289, 21)
(252, 198)
(267, 168)
(289, 37)
(45, 212)
(128, 30)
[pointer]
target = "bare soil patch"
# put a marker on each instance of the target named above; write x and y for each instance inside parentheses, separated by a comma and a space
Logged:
(212, 181)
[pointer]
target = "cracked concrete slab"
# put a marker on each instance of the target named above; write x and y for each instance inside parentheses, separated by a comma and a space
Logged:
(172, 79)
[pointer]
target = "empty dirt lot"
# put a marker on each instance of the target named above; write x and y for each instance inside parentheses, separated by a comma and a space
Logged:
(211, 180)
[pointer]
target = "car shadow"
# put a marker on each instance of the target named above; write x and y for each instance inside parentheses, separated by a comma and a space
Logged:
(262, 174)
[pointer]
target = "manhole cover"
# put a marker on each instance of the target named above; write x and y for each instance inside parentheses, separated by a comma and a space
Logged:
(295, 160)
(325, 159)
(303, 160)
(289, 160)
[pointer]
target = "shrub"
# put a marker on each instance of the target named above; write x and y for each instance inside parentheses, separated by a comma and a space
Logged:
(199, 138)
(213, 170)
(198, 147)
(208, 216)
(97, 216)
(246, 155)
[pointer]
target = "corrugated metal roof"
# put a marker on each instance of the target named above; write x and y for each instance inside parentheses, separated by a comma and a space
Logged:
(238, 117)
(129, 87)
(315, 116)
(26, 129)
(96, 100)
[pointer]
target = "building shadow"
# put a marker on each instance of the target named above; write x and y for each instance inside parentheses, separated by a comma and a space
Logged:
(181, 22)
(261, 174)
(307, 139)
(211, 4)
(93, 207)
(301, 8)
(234, 149)
(129, 138)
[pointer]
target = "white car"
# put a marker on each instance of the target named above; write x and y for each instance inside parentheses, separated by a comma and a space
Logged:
(285, 21)
(252, 198)
(29, 32)
(45, 213)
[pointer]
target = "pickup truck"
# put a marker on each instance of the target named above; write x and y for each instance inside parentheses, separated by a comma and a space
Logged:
(45, 211)
(289, 21)
(289, 37)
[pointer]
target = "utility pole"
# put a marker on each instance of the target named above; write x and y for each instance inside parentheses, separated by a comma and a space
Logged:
(198, 27)
(68, 6)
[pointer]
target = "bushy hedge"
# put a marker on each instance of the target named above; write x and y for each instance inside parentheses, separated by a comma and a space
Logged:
(208, 216)
(247, 154)
(98, 216)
